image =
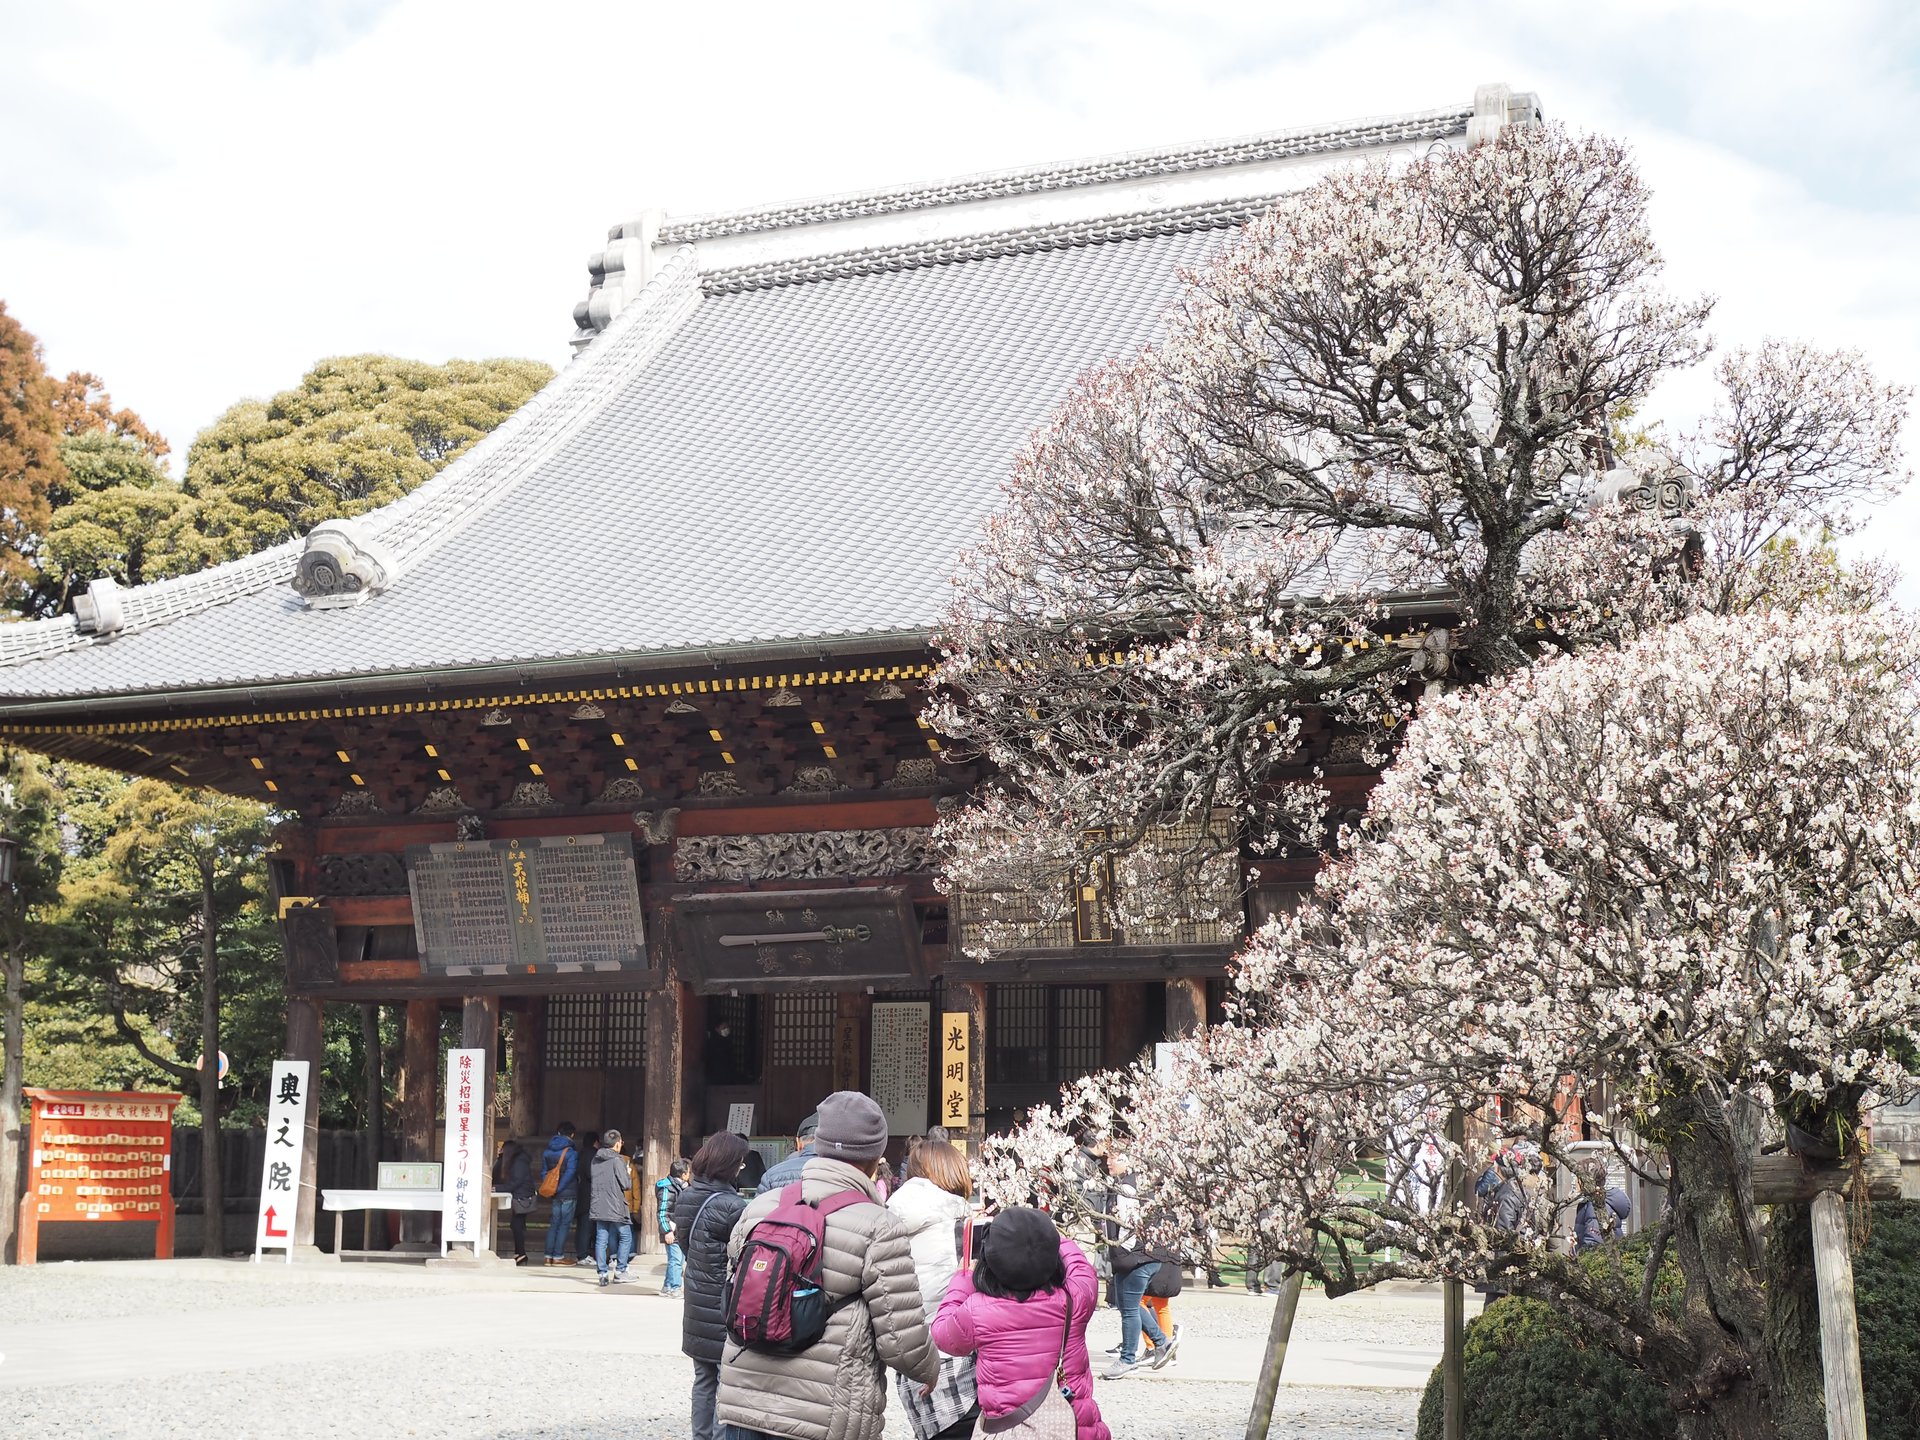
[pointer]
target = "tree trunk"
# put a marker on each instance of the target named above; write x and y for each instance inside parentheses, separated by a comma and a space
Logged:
(1279, 1334)
(213, 1217)
(1742, 1385)
(12, 1077)
(1793, 1324)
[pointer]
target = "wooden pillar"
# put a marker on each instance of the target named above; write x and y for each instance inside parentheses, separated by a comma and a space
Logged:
(480, 1030)
(662, 1104)
(693, 1065)
(419, 1100)
(1839, 1326)
(523, 1059)
(303, 1043)
(972, 998)
(374, 1101)
(1186, 1007)
(1126, 1020)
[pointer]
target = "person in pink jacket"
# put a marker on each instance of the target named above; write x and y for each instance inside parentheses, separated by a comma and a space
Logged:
(1010, 1313)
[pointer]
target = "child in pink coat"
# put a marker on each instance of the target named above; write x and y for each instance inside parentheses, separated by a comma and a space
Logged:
(1010, 1314)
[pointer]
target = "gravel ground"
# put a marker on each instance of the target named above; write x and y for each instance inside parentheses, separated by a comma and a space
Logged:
(404, 1385)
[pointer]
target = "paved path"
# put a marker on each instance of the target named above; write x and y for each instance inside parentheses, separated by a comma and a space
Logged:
(232, 1350)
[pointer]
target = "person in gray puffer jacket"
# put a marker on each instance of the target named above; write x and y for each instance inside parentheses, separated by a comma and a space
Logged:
(837, 1389)
(608, 1183)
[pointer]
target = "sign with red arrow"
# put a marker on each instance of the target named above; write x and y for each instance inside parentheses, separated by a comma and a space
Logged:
(285, 1161)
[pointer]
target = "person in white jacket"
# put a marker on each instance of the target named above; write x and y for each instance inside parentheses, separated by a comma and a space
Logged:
(934, 1204)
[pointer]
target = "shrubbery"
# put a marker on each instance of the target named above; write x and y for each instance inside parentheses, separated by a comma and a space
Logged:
(1532, 1376)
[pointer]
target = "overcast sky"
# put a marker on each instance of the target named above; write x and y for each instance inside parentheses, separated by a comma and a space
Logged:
(198, 200)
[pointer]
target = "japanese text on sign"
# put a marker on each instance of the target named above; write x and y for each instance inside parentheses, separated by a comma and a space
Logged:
(287, 1099)
(898, 1067)
(464, 1196)
(955, 1053)
(95, 1156)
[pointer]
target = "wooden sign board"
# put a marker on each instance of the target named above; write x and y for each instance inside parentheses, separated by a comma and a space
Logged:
(766, 940)
(955, 1060)
(551, 904)
(98, 1156)
(288, 1094)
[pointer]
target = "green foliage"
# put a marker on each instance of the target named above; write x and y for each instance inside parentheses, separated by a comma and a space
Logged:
(1886, 1279)
(358, 432)
(1532, 1375)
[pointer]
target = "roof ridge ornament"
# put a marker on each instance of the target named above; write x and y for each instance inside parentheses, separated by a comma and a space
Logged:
(101, 611)
(341, 565)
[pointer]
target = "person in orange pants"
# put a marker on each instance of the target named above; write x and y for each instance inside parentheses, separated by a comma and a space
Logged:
(1162, 1312)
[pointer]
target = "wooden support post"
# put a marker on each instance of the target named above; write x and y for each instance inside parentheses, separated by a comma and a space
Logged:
(661, 1109)
(304, 1043)
(1453, 1299)
(1186, 1007)
(1788, 1180)
(523, 1063)
(480, 1030)
(972, 998)
(1126, 1020)
(1267, 1391)
(1839, 1327)
(419, 1101)
(375, 1104)
(693, 1066)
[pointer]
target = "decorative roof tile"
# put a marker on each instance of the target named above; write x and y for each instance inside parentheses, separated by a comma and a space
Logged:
(1108, 169)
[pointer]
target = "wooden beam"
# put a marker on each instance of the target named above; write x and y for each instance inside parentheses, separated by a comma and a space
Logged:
(304, 1042)
(972, 998)
(372, 910)
(1790, 1180)
(661, 1111)
(419, 1099)
(523, 1059)
(480, 1030)
(1186, 1007)
(1839, 1327)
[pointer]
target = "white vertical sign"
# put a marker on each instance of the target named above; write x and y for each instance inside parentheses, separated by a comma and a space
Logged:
(464, 1201)
(898, 1070)
(740, 1119)
(286, 1149)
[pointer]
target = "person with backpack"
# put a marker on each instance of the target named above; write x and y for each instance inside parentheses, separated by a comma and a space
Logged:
(1022, 1314)
(704, 1214)
(559, 1169)
(824, 1299)
(666, 1191)
(513, 1172)
(1603, 1210)
(609, 1179)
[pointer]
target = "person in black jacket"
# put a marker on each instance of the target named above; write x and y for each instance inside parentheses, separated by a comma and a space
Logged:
(513, 1170)
(704, 1215)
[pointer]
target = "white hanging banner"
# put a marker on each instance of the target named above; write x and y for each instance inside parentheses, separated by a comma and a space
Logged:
(286, 1149)
(464, 1200)
(897, 1074)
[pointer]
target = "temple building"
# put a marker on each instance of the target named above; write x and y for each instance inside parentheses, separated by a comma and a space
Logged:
(610, 734)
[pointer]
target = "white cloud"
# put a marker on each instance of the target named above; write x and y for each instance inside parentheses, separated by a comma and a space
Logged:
(217, 194)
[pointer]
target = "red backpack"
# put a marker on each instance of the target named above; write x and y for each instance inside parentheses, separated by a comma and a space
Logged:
(777, 1299)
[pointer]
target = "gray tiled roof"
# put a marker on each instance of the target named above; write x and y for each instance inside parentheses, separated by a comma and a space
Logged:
(795, 461)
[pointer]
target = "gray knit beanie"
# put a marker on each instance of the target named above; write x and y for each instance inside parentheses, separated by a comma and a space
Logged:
(852, 1128)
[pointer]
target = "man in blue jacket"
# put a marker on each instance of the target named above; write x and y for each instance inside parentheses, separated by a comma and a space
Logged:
(788, 1170)
(562, 1152)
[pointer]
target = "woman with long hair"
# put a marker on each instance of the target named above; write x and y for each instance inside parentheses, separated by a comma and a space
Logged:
(933, 1205)
(704, 1217)
(1022, 1314)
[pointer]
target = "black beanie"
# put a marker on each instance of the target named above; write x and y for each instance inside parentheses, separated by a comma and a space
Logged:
(1023, 1250)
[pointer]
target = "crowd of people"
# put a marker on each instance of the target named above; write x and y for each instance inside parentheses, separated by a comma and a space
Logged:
(980, 1314)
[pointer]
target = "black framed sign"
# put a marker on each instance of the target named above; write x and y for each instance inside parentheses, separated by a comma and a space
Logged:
(765, 940)
(549, 904)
